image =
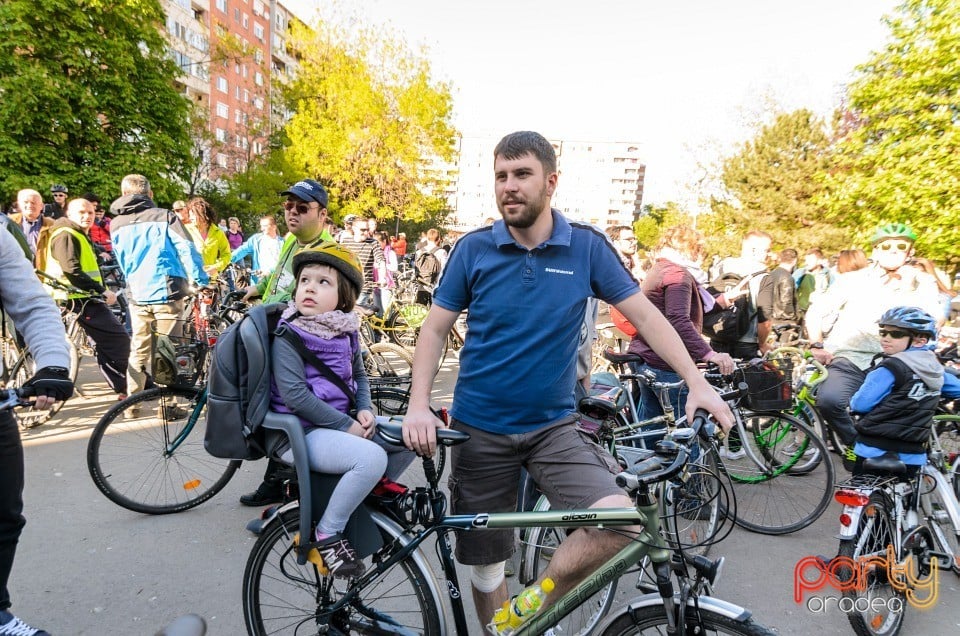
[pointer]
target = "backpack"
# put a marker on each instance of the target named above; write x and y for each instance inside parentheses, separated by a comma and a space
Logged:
(427, 266)
(728, 325)
(238, 385)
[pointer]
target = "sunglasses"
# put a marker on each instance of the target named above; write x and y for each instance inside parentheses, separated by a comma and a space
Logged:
(895, 334)
(900, 247)
(299, 206)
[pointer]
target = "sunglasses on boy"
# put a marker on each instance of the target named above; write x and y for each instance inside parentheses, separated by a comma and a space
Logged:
(896, 334)
(900, 247)
(299, 206)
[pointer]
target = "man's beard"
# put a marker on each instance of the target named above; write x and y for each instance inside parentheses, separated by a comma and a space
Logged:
(528, 214)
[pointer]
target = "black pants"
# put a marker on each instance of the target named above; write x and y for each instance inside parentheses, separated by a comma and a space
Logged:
(739, 350)
(111, 340)
(833, 396)
(11, 499)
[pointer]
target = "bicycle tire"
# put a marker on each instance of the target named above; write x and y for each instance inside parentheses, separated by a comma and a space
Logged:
(402, 333)
(539, 545)
(653, 620)
(874, 533)
(388, 400)
(388, 360)
(23, 370)
(127, 457)
(933, 505)
(280, 596)
(779, 501)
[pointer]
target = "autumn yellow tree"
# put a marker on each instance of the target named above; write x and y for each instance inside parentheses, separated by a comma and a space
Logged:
(367, 116)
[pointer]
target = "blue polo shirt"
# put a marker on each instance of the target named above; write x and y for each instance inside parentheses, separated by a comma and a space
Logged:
(518, 366)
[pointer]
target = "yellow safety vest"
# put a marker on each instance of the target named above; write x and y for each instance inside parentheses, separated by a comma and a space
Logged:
(88, 263)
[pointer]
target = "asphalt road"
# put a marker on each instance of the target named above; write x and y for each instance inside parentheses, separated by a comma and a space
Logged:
(85, 566)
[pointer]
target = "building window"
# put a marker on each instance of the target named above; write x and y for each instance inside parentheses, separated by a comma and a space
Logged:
(246, 96)
(236, 15)
(223, 110)
(258, 78)
(258, 31)
(222, 160)
(257, 8)
(222, 85)
(246, 21)
(221, 135)
(222, 5)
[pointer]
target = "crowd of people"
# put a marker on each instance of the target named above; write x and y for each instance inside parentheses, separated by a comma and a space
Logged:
(871, 319)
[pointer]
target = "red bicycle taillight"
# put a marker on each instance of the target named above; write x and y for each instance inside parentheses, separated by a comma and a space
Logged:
(851, 498)
(845, 520)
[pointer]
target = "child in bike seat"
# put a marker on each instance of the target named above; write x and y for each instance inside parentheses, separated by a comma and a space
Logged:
(318, 375)
(900, 393)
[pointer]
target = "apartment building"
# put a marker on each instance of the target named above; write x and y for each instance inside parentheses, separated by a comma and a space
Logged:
(600, 182)
(233, 53)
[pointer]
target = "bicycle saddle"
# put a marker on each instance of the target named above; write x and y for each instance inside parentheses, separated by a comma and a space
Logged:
(621, 358)
(604, 405)
(393, 433)
(884, 465)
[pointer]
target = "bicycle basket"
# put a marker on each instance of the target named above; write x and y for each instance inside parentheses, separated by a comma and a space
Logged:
(769, 383)
(413, 314)
(177, 360)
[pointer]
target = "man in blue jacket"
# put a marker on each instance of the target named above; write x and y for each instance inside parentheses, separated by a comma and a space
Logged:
(263, 248)
(160, 262)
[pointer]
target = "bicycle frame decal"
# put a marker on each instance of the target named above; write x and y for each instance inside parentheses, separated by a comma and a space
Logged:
(845, 574)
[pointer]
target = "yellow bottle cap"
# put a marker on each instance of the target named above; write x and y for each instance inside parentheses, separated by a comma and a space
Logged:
(547, 585)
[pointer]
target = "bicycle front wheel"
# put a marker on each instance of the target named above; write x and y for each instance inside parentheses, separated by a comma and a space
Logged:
(788, 482)
(282, 597)
(539, 545)
(877, 593)
(653, 620)
(146, 453)
(690, 508)
(23, 370)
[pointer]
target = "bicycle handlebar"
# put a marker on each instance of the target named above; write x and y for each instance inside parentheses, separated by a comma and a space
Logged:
(10, 398)
(645, 472)
(50, 281)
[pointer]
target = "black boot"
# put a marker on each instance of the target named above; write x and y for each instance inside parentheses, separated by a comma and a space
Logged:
(267, 493)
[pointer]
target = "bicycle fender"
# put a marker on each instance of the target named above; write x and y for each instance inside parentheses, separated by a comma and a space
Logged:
(716, 605)
(850, 531)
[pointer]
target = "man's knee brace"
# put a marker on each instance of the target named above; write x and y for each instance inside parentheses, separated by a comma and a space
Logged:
(487, 578)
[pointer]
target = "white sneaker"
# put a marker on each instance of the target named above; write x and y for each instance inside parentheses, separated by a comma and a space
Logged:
(726, 453)
(131, 413)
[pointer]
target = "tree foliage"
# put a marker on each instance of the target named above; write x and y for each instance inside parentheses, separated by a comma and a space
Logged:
(654, 219)
(87, 95)
(900, 158)
(367, 116)
(772, 183)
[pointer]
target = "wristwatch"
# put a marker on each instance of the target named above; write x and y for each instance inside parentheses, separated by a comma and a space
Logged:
(816, 345)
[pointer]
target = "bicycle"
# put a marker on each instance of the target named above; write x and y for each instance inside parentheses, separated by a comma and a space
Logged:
(693, 505)
(782, 474)
(146, 453)
(286, 589)
(892, 539)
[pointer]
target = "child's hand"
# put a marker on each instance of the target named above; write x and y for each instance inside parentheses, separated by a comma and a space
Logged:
(368, 421)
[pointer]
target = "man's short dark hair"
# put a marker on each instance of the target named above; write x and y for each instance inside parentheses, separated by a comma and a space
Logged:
(524, 142)
(788, 255)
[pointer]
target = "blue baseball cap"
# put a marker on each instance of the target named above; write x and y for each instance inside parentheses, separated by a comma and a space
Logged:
(308, 190)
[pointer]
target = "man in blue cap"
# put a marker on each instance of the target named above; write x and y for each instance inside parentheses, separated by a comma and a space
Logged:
(305, 212)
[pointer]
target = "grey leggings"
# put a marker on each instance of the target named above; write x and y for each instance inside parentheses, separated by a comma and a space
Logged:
(362, 462)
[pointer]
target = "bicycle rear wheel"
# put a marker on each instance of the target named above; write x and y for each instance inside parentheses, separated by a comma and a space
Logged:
(792, 485)
(934, 505)
(146, 453)
(874, 535)
(23, 370)
(388, 360)
(538, 545)
(282, 597)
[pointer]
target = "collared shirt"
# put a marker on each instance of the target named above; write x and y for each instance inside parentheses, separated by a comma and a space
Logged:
(32, 231)
(526, 307)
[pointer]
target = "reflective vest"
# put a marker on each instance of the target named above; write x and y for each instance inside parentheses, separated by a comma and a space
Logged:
(88, 263)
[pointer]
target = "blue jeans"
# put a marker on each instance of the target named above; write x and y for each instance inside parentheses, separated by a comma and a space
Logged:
(649, 402)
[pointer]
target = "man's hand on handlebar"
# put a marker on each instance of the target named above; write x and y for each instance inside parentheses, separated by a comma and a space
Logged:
(50, 385)
(420, 431)
(250, 292)
(703, 396)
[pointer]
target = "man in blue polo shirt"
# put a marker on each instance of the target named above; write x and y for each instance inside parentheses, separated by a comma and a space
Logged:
(526, 280)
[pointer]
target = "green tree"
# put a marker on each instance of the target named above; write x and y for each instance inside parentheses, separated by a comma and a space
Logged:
(654, 219)
(772, 182)
(87, 94)
(367, 116)
(900, 157)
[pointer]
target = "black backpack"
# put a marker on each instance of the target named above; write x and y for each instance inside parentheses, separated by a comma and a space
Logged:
(428, 267)
(238, 385)
(728, 325)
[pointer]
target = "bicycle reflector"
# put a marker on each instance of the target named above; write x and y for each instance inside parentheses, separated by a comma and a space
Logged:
(851, 498)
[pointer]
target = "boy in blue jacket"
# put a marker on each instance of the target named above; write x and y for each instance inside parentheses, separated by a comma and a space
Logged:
(901, 391)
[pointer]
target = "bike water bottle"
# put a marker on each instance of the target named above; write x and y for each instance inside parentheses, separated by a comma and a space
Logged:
(517, 610)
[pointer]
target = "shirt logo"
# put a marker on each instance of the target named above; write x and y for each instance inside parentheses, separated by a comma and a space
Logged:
(553, 270)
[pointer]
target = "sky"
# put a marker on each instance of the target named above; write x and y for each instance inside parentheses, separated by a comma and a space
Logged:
(686, 79)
